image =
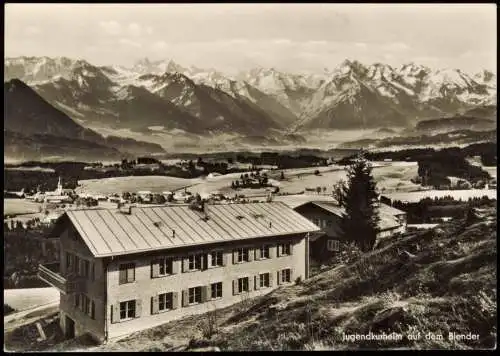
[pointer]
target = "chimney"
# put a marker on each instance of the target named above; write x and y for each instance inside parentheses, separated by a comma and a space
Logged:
(173, 233)
(270, 224)
(205, 208)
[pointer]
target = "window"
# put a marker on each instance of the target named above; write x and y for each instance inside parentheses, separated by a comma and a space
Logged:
(216, 289)
(165, 266)
(316, 221)
(284, 249)
(86, 305)
(69, 262)
(264, 252)
(165, 301)
(86, 269)
(195, 262)
(333, 245)
(92, 310)
(264, 280)
(76, 266)
(127, 309)
(127, 273)
(242, 255)
(195, 295)
(216, 259)
(286, 276)
(242, 285)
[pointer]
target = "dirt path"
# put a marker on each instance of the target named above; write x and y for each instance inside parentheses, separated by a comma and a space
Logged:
(18, 319)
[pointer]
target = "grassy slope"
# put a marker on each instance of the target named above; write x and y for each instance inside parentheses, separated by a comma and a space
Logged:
(449, 286)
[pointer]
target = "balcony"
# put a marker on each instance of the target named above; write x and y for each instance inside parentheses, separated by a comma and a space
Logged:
(49, 273)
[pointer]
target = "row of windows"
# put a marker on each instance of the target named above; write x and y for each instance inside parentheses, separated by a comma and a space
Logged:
(85, 304)
(80, 266)
(196, 295)
(196, 262)
(322, 223)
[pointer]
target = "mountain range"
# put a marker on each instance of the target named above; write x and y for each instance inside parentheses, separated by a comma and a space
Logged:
(163, 95)
(34, 129)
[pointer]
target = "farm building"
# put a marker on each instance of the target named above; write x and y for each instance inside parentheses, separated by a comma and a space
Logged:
(327, 215)
(126, 270)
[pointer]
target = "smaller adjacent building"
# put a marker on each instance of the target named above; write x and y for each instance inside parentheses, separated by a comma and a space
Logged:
(327, 215)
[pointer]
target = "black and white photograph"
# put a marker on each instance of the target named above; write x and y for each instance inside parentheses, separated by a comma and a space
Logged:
(250, 177)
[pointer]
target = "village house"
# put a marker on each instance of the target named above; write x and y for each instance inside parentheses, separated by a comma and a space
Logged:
(130, 269)
(327, 215)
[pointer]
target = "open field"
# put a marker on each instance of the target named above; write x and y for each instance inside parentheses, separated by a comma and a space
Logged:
(414, 197)
(22, 299)
(155, 184)
(20, 206)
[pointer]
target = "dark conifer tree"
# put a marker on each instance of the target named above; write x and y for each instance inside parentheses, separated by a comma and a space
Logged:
(360, 202)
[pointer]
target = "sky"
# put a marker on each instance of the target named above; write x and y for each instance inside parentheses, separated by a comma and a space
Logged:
(235, 37)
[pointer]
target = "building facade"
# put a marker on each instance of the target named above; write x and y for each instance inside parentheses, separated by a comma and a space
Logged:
(328, 215)
(122, 272)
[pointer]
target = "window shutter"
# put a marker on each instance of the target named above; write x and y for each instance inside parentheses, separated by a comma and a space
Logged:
(278, 250)
(256, 282)
(185, 298)
(123, 276)
(138, 308)
(250, 284)
(235, 287)
(204, 261)
(155, 269)
(155, 305)
(270, 279)
(131, 273)
(75, 299)
(272, 251)
(250, 255)
(175, 300)
(115, 313)
(225, 259)
(235, 256)
(291, 274)
(209, 291)
(204, 294)
(291, 248)
(185, 264)
(279, 278)
(257, 254)
(93, 271)
(175, 265)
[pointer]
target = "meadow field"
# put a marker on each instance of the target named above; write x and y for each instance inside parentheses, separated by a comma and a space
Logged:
(20, 207)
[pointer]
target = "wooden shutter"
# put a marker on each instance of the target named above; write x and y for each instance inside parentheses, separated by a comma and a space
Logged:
(92, 310)
(257, 254)
(279, 278)
(250, 255)
(175, 265)
(155, 269)
(270, 279)
(92, 272)
(185, 297)
(123, 276)
(209, 291)
(115, 313)
(175, 300)
(185, 264)
(272, 251)
(225, 259)
(291, 248)
(235, 257)
(209, 259)
(278, 252)
(204, 294)
(256, 282)
(131, 273)
(235, 287)
(138, 308)
(291, 274)
(155, 304)
(250, 284)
